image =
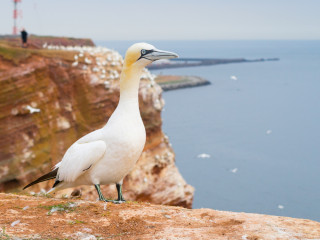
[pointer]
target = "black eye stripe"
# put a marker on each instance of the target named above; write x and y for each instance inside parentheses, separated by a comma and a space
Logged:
(145, 52)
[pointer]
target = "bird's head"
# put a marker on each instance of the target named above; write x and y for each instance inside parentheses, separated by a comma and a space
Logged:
(142, 54)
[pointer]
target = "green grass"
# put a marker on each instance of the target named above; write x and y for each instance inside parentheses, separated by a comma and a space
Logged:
(62, 207)
(183, 80)
(14, 55)
(76, 222)
(3, 235)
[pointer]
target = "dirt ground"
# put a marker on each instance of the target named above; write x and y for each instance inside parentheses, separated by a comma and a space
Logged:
(31, 217)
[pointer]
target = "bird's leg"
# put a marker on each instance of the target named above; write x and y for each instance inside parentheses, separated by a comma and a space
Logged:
(120, 197)
(101, 197)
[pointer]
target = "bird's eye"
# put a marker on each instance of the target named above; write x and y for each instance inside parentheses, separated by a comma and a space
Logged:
(143, 51)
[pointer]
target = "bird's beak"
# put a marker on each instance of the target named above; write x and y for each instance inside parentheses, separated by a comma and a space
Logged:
(160, 54)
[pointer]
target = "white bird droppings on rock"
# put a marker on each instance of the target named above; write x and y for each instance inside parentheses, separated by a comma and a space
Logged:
(157, 104)
(87, 229)
(85, 236)
(55, 209)
(63, 123)
(25, 208)
(72, 205)
(244, 237)
(87, 61)
(95, 69)
(106, 84)
(15, 223)
(74, 64)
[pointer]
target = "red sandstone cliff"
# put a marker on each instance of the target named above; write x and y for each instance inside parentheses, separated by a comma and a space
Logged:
(51, 97)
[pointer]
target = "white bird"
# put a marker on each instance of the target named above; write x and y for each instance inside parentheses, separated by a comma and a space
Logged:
(233, 78)
(74, 64)
(234, 170)
(87, 61)
(107, 155)
(33, 110)
(203, 155)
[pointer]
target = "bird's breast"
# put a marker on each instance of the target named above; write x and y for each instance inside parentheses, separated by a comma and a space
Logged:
(125, 139)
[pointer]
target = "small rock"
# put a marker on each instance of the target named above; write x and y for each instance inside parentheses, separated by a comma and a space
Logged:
(55, 209)
(85, 236)
(76, 193)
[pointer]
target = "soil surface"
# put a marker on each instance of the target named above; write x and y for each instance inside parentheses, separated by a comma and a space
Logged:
(30, 217)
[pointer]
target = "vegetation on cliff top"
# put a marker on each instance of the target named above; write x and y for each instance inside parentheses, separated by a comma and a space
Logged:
(11, 50)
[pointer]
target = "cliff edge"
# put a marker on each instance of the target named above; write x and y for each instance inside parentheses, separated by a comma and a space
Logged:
(52, 96)
(30, 217)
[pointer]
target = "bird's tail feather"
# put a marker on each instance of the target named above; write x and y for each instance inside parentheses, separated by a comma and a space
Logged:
(46, 177)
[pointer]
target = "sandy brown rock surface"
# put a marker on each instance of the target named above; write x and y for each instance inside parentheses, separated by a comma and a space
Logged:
(48, 218)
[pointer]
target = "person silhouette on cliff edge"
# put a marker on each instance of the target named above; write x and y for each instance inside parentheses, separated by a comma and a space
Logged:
(24, 37)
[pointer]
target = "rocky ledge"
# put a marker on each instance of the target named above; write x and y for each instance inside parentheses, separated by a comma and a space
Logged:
(172, 82)
(28, 217)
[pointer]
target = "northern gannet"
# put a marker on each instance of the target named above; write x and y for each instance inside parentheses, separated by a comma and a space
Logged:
(107, 155)
(233, 78)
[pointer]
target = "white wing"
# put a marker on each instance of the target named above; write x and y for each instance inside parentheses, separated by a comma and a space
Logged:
(81, 156)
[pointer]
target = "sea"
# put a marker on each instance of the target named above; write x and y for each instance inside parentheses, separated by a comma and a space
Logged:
(250, 141)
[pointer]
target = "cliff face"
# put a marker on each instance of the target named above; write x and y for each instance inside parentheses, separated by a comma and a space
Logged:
(46, 218)
(50, 98)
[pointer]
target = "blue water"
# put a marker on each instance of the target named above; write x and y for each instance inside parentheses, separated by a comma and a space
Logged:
(229, 121)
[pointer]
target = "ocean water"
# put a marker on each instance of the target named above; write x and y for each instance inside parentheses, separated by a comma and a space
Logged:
(262, 131)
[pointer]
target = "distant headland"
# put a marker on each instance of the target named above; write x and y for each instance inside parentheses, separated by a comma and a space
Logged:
(196, 62)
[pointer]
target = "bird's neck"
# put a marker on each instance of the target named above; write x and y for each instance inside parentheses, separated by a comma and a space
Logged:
(129, 84)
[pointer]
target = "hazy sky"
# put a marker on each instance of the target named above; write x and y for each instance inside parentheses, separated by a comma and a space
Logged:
(167, 19)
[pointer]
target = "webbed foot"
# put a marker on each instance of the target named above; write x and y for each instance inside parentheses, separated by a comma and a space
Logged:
(119, 201)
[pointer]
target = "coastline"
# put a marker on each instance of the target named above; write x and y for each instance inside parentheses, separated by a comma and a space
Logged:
(173, 82)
